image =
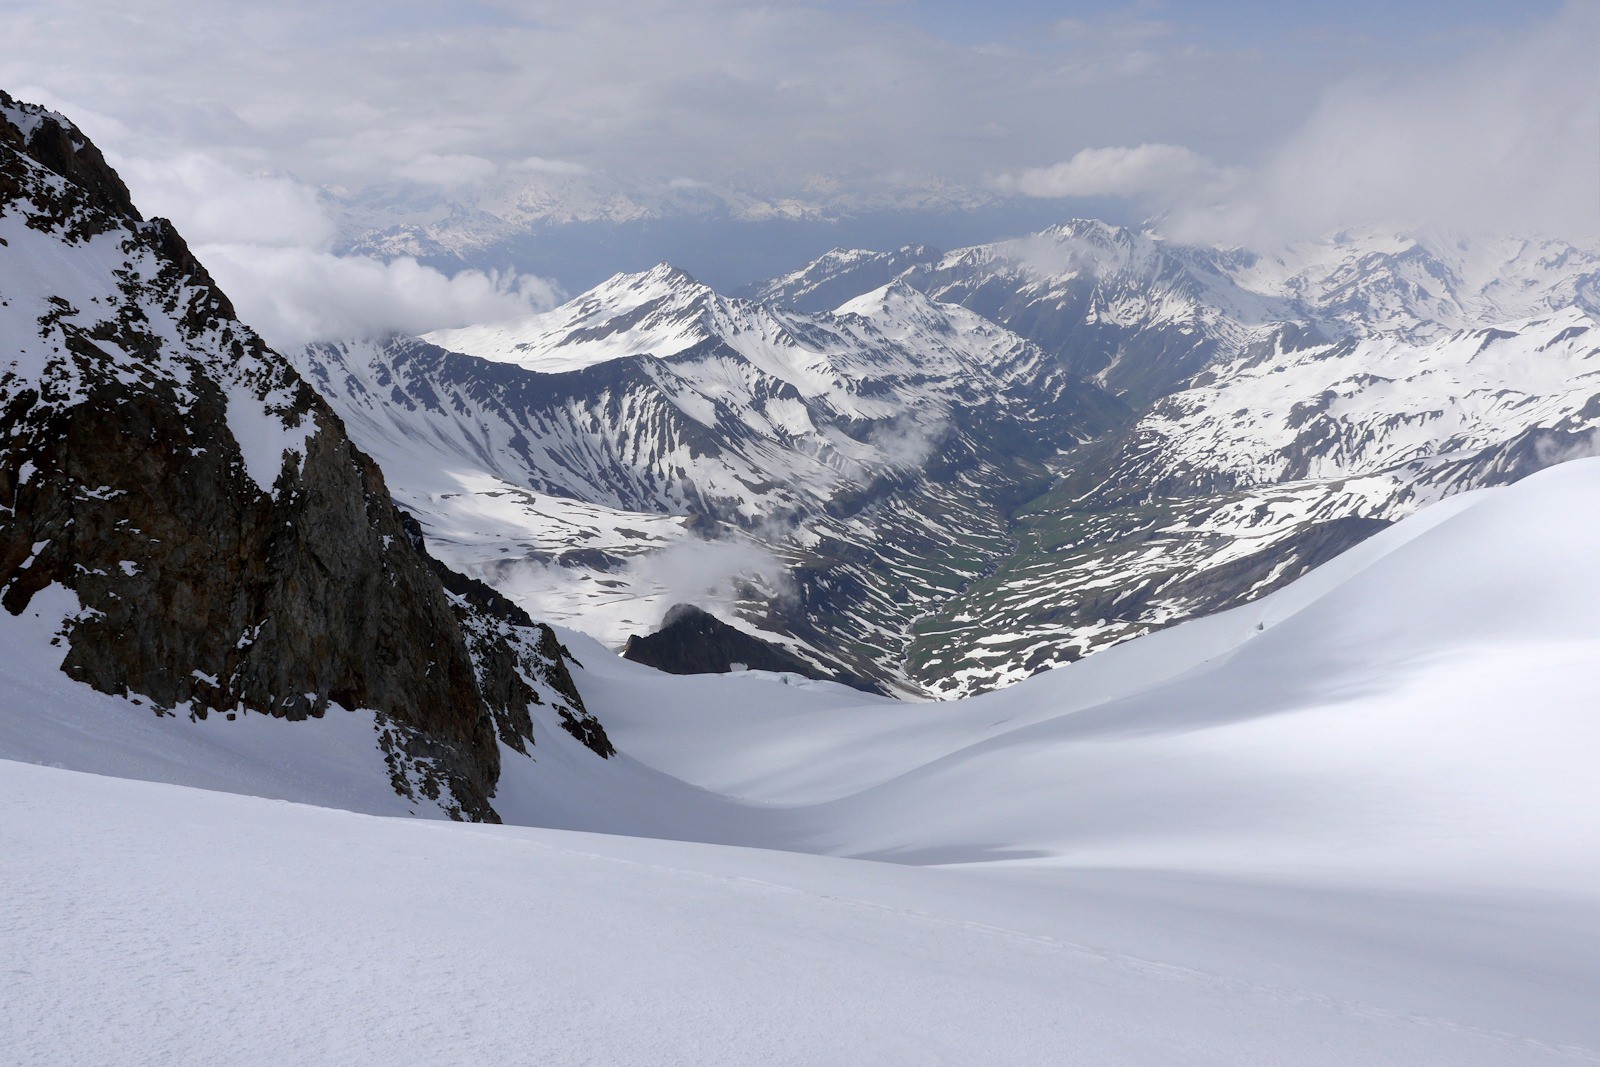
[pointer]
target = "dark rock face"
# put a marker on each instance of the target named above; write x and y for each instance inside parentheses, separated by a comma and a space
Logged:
(230, 547)
(513, 654)
(693, 641)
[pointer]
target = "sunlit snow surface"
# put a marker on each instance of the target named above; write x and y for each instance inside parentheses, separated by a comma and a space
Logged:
(1355, 822)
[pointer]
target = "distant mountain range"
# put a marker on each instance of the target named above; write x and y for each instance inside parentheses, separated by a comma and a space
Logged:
(578, 227)
(920, 472)
(938, 472)
(785, 461)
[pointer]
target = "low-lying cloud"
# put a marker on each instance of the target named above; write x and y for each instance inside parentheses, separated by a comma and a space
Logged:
(1160, 171)
(713, 575)
(906, 444)
(268, 239)
(212, 202)
(292, 296)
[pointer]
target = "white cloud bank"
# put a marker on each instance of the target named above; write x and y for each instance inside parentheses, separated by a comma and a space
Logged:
(1506, 139)
(295, 295)
(775, 95)
(267, 240)
(419, 105)
(1148, 170)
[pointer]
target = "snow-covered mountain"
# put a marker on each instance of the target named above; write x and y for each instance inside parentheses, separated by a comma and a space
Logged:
(917, 488)
(187, 530)
(1351, 821)
(1142, 314)
(788, 461)
(1269, 465)
(1291, 405)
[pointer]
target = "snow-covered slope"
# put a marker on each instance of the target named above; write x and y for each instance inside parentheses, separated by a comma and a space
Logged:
(839, 276)
(1353, 822)
(1363, 406)
(815, 452)
(442, 944)
(1422, 286)
(1437, 672)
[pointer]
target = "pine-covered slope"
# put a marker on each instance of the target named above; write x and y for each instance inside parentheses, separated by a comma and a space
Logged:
(225, 546)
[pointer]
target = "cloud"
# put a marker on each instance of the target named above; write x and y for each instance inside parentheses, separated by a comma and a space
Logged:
(906, 444)
(358, 94)
(295, 295)
(1148, 170)
(1226, 125)
(1506, 140)
(430, 168)
(1549, 450)
(267, 240)
(213, 202)
(713, 574)
(540, 165)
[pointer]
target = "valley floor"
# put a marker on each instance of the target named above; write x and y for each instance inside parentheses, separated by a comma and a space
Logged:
(1355, 822)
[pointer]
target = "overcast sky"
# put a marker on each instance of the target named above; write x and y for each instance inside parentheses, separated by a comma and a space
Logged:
(1238, 121)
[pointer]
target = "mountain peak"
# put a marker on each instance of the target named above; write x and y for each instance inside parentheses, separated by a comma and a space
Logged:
(895, 298)
(651, 312)
(626, 290)
(665, 272)
(54, 142)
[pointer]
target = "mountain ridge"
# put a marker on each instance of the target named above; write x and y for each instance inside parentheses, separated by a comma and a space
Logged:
(214, 541)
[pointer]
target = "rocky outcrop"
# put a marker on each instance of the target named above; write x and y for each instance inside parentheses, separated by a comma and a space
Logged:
(229, 546)
(693, 641)
(516, 659)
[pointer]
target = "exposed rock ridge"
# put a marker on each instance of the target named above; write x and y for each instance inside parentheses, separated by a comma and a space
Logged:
(231, 550)
(693, 641)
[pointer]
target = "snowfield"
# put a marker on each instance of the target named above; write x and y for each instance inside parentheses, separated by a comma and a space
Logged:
(1355, 822)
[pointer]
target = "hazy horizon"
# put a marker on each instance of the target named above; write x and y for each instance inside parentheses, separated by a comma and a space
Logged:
(297, 146)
